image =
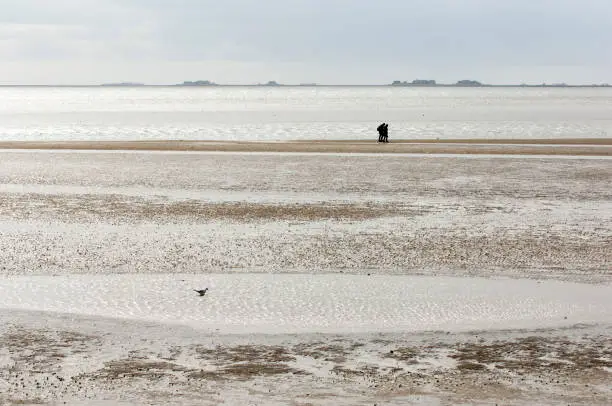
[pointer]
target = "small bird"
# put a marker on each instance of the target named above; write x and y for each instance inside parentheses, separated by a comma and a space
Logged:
(202, 292)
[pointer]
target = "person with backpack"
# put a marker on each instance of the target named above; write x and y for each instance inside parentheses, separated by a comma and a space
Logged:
(381, 132)
(386, 133)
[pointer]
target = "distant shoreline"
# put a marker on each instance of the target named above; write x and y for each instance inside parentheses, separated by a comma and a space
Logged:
(559, 146)
(308, 85)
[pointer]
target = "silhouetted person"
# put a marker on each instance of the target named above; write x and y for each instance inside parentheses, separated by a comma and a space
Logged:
(381, 132)
(385, 133)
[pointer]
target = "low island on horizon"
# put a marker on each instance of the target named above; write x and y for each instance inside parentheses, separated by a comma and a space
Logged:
(427, 83)
(396, 83)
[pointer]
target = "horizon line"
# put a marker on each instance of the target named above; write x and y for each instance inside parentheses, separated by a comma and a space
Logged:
(313, 84)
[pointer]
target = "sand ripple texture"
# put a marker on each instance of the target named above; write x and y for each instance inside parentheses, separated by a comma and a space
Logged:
(275, 304)
(99, 253)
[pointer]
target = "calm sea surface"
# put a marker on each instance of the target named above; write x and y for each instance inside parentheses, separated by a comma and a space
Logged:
(301, 113)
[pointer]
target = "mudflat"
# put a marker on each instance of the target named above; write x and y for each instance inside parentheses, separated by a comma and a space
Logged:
(334, 279)
(559, 146)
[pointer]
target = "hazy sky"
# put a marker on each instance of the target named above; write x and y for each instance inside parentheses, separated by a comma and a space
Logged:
(295, 41)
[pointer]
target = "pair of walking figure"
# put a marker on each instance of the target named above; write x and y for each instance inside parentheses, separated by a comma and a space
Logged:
(383, 132)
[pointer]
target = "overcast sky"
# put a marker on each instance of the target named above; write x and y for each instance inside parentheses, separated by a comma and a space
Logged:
(295, 41)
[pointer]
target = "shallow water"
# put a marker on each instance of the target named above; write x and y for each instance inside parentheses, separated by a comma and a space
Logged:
(260, 303)
(290, 113)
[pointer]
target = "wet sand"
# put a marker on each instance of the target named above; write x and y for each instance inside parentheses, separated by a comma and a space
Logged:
(170, 213)
(74, 360)
(336, 217)
(569, 146)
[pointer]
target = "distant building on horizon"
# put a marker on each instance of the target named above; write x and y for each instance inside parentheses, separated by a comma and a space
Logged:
(198, 83)
(416, 82)
(421, 82)
(468, 83)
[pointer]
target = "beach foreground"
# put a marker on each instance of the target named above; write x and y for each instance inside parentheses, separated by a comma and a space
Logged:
(63, 358)
(334, 278)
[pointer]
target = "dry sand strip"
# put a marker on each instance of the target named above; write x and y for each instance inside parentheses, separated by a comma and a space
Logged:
(586, 147)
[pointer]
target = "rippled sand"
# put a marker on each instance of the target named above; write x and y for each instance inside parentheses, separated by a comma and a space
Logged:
(331, 303)
(322, 260)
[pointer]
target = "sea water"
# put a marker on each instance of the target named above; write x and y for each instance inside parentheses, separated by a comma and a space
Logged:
(301, 113)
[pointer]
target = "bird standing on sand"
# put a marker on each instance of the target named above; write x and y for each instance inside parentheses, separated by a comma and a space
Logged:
(202, 292)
